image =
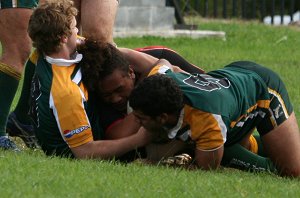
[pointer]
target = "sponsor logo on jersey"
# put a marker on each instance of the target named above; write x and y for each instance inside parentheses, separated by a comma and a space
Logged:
(250, 116)
(70, 133)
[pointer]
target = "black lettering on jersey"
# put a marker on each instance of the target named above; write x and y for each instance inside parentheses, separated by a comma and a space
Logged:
(35, 93)
(206, 82)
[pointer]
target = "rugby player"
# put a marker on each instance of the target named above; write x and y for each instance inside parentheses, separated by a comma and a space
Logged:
(219, 109)
(64, 113)
(90, 13)
(16, 46)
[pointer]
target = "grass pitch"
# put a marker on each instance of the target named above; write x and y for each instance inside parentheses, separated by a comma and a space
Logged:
(31, 174)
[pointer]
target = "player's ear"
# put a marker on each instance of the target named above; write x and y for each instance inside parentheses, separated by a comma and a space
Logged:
(131, 73)
(64, 39)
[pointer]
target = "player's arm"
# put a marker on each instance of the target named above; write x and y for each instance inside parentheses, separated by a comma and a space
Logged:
(107, 149)
(141, 62)
(208, 137)
(209, 159)
(123, 128)
(76, 129)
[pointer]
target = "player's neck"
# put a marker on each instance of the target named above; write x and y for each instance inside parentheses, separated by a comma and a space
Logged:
(63, 53)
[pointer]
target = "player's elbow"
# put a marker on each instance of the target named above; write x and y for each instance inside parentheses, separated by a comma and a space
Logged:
(209, 160)
(84, 151)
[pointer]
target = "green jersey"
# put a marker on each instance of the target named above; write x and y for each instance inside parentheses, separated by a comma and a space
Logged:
(224, 105)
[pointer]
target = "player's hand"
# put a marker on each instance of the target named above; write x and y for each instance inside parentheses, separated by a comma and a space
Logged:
(177, 160)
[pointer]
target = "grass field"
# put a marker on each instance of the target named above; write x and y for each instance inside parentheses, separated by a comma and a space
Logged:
(31, 174)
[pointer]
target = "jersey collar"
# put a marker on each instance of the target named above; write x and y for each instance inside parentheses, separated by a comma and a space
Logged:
(64, 62)
(173, 132)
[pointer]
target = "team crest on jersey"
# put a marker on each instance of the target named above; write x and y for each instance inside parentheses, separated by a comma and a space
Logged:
(70, 133)
(206, 82)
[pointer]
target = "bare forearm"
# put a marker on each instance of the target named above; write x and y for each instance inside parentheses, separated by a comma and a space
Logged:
(208, 160)
(107, 149)
(124, 128)
(140, 61)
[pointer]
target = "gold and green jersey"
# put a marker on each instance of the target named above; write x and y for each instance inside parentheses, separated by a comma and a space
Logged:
(62, 112)
(221, 106)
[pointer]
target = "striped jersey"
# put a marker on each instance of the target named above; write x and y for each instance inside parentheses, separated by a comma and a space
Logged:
(62, 112)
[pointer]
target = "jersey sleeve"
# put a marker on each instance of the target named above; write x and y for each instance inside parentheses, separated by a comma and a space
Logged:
(68, 104)
(207, 130)
(159, 69)
(33, 57)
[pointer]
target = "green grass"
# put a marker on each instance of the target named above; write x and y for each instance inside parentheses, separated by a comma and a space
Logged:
(31, 174)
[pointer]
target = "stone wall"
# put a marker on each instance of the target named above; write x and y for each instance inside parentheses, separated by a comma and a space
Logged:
(144, 15)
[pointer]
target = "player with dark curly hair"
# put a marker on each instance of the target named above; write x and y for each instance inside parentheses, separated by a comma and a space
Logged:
(220, 109)
(112, 73)
(164, 91)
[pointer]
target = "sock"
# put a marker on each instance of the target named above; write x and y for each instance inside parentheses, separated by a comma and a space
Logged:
(9, 81)
(22, 107)
(237, 156)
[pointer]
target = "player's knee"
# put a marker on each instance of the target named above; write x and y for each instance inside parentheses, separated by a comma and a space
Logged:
(24, 56)
(24, 50)
(99, 33)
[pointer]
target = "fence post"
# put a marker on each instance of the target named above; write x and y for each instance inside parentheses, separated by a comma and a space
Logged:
(178, 14)
(262, 9)
(253, 13)
(272, 11)
(205, 8)
(234, 14)
(197, 6)
(292, 8)
(224, 9)
(243, 9)
(215, 8)
(281, 11)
